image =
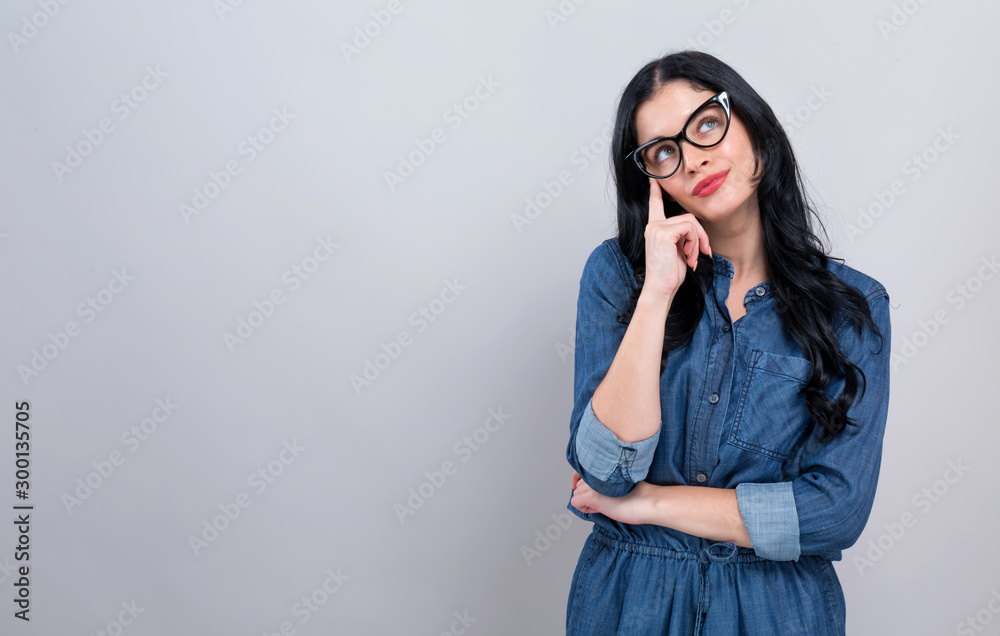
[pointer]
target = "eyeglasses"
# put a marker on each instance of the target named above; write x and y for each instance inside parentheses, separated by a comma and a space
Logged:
(706, 127)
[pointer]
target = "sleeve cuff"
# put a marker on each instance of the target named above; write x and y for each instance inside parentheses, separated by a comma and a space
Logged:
(600, 451)
(771, 519)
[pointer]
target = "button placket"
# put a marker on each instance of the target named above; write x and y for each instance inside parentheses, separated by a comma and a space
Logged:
(722, 349)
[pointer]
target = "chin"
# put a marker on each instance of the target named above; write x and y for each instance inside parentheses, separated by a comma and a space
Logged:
(713, 210)
(721, 207)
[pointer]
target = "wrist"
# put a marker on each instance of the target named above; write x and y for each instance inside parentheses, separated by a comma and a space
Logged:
(651, 503)
(654, 301)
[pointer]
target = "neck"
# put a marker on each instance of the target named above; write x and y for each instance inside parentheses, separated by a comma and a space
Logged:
(740, 240)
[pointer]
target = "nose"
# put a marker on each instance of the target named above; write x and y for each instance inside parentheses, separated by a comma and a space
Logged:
(693, 156)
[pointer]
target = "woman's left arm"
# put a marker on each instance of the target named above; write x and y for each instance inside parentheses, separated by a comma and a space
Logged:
(701, 511)
(712, 513)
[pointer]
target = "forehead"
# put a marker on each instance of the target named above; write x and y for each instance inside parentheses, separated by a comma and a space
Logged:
(665, 113)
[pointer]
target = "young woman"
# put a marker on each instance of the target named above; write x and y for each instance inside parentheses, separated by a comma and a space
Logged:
(731, 378)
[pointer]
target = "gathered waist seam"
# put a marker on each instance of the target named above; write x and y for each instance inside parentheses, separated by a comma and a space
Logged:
(721, 552)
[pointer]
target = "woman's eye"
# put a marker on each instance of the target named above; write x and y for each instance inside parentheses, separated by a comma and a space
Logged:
(711, 123)
(663, 154)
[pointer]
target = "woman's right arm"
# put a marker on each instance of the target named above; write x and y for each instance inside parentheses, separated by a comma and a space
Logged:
(627, 401)
(616, 418)
(606, 462)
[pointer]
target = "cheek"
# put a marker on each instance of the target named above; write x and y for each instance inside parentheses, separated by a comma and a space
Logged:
(750, 160)
(671, 194)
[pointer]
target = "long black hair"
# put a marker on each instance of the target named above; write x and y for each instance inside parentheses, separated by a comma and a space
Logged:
(807, 295)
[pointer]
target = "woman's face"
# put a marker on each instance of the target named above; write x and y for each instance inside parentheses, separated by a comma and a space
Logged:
(664, 115)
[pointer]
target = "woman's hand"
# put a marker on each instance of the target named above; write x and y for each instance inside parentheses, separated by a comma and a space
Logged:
(633, 508)
(672, 245)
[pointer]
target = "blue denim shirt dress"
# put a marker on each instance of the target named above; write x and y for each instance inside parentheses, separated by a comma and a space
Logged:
(732, 417)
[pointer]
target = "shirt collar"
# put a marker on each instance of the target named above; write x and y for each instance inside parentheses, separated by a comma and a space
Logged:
(724, 268)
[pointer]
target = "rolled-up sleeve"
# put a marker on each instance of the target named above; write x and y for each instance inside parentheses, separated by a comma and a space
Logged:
(825, 509)
(608, 465)
(601, 452)
(769, 514)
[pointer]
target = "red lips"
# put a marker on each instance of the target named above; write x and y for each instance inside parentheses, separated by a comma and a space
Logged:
(709, 181)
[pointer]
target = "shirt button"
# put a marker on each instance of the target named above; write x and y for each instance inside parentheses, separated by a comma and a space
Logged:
(725, 327)
(713, 398)
(701, 478)
(759, 291)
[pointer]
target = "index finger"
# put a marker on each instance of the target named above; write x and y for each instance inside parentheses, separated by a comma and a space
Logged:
(655, 201)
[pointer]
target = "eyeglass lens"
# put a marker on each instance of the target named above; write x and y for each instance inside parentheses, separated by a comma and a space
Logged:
(705, 129)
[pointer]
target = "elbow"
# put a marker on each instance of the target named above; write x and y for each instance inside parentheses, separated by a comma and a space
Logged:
(847, 529)
(615, 485)
(610, 466)
(839, 530)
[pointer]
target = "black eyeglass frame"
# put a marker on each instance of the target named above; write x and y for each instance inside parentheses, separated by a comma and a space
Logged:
(720, 98)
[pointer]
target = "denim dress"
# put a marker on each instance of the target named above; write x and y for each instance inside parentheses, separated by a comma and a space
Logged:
(732, 417)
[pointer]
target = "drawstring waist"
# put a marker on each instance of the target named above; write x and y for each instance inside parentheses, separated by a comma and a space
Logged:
(721, 552)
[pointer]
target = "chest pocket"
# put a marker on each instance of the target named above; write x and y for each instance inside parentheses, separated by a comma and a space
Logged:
(772, 414)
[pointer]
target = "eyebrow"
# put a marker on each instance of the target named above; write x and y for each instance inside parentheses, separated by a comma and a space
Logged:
(686, 120)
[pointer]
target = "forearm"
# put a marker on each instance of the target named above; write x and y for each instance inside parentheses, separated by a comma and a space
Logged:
(627, 401)
(711, 513)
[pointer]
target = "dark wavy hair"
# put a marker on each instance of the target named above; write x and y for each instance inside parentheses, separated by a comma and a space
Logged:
(807, 295)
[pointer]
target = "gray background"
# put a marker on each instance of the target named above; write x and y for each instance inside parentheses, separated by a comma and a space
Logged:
(504, 343)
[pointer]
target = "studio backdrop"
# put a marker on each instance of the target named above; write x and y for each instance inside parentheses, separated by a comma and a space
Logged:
(289, 292)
